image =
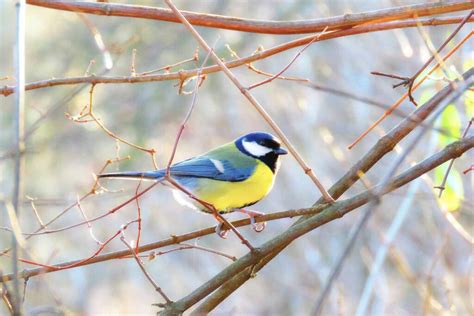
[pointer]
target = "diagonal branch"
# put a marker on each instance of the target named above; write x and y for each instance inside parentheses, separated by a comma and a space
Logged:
(329, 213)
(258, 107)
(377, 152)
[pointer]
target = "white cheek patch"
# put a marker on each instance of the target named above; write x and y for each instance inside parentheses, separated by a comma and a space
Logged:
(218, 164)
(255, 149)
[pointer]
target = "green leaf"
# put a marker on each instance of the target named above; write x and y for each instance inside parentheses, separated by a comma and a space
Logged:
(450, 122)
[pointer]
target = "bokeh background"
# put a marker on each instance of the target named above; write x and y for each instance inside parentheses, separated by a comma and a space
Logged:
(429, 258)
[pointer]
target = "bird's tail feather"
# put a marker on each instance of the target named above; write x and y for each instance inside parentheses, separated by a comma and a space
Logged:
(148, 175)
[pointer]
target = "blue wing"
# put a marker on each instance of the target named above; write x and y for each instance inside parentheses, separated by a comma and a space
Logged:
(198, 167)
(203, 167)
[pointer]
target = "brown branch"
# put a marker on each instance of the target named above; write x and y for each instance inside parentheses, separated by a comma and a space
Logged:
(471, 168)
(163, 243)
(182, 246)
(259, 26)
(145, 272)
(184, 74)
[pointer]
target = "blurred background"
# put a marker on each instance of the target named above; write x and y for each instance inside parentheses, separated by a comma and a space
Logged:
(429, 268)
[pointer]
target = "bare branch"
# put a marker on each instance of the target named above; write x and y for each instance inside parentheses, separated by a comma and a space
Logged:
(184, 74)
(145, 272)
(259, 26)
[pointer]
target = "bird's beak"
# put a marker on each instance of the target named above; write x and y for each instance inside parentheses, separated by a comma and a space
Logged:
(280, 151)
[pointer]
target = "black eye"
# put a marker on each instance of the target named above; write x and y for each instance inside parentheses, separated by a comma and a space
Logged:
(269, 143)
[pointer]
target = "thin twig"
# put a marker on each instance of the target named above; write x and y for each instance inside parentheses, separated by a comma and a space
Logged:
(316, 38)
(442, 186)
(183, 246)
(139, 218)
(133, 70)
(91, 232)
(145, 272)
(195, 58)
(412, 79)
(35, 211)
(382, 74)
(471, 168)
(405, 95)
(82, 118)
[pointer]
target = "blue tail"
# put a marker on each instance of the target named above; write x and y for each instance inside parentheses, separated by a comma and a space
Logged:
(148, 175)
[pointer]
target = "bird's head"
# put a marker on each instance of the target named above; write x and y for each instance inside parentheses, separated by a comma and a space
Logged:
(262, 146)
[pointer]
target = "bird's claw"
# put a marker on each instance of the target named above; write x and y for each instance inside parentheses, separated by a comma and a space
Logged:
(257, 227)
(221, 232)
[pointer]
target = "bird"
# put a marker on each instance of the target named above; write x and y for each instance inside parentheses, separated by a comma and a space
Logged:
(227, 178)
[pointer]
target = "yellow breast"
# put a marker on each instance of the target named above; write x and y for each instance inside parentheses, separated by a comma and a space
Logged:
(228, 195)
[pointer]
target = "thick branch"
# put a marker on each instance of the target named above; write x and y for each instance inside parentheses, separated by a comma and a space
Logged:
(330, 213)
(378, 151)
(260, 26)
(185, 74)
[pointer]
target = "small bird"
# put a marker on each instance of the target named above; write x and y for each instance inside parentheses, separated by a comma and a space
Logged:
(230, 177)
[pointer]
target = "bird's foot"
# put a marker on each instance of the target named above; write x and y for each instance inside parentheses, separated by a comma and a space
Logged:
(257, 227)
(220, 231)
